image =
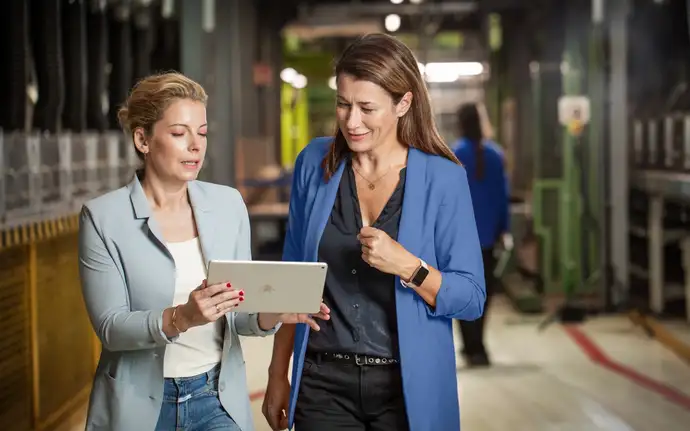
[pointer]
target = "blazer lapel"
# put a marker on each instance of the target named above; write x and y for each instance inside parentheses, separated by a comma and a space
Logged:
(412, 216)
(323, 206)
(142, 210)
(202, 217)
(200, 207)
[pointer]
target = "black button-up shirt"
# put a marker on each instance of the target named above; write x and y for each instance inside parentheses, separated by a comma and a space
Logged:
(361, 298)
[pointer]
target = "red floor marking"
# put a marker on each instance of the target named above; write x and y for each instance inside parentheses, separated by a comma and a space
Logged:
(598, 356)
(256, 396)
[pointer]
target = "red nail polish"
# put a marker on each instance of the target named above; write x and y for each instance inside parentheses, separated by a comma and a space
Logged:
(229, 285)
(241, 292)
(241, 298)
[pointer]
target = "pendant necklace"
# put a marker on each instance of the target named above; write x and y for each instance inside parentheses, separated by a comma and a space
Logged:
(372, 184)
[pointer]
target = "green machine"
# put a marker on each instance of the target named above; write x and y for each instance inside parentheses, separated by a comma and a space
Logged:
(566, 105)
(294, 123)
(567, 209)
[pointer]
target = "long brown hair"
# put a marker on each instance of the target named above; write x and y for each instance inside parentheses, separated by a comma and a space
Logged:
(385, 61)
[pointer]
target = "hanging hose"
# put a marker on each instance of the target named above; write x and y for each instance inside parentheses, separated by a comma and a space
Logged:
(97, 55)
(121, 60)
(74, 48)
(46, 41)
(15, 71)
(142, 41)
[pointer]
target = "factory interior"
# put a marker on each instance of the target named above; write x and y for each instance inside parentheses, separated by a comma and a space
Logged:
(589, 101)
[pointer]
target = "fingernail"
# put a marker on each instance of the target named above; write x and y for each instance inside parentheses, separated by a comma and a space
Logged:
(241, 298)
(229, 285)
(241, 292)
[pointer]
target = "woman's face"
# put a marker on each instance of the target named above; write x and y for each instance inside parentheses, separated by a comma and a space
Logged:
(176, 149)
(366, 113)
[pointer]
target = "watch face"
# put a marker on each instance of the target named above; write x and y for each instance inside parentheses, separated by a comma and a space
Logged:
(420, 276)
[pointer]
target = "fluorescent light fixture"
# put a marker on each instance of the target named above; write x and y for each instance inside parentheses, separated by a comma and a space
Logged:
(451, 71)
(416, 1)
(396, 1)
(392, 22)
(332, 83)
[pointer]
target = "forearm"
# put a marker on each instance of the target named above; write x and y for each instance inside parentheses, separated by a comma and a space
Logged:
(429, 289)
(136, 330)
(282, 350)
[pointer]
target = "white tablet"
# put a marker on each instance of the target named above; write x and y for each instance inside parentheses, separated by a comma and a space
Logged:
(273, 287)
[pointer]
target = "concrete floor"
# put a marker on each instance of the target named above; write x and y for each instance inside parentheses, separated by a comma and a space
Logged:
(603, 375)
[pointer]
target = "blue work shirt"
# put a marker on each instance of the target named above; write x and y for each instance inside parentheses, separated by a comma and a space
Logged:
(490, 194)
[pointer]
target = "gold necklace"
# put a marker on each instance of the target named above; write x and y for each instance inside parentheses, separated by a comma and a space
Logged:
(372, 184)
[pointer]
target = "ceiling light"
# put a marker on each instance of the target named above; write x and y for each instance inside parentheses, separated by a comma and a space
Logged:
(300, 81)
(392, 22)
(287, 75)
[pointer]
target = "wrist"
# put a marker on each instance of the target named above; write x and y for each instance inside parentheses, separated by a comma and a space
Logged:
(180, 320)
(409, 267)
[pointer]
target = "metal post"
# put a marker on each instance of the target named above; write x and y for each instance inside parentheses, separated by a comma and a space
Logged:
(656, 253)
(618, 175)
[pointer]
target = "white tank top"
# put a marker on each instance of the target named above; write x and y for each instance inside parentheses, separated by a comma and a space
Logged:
(201, 347)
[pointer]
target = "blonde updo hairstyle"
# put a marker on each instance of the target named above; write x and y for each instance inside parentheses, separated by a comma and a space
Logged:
(150, 98)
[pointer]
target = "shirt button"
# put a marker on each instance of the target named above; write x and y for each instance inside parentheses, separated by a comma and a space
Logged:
(356, 306)
(354, 271)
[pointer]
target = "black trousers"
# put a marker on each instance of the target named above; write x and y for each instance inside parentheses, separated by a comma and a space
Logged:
(335, 396)
(473, 331)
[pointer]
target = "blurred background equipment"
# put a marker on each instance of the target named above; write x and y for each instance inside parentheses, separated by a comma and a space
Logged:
(599, 202)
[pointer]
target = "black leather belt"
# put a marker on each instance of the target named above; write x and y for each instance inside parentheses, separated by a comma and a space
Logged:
(351, 358)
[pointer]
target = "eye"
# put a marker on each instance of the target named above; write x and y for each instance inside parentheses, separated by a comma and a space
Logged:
(343, 105)
(178, 134)
(367, 110)
(203, 135)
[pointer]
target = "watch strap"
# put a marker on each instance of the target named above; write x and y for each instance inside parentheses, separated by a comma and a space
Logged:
(418, 276)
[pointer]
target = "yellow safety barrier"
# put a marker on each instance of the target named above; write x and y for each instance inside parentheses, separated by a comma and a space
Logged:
(48, 351)
(662, 334)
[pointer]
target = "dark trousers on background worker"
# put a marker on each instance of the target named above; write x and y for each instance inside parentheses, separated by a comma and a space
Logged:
(474, 350)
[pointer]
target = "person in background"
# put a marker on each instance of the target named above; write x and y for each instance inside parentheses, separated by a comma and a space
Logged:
(483, 160)
(387, 205)
(171, 356)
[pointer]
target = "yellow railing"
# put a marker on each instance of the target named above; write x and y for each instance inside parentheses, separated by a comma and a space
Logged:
(48, 351)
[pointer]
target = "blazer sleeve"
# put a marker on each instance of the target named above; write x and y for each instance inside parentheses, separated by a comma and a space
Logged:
(106, 297)
(458, 254)
(247, 324)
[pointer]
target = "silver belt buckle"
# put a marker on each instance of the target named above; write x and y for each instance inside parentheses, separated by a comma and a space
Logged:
(360, 360)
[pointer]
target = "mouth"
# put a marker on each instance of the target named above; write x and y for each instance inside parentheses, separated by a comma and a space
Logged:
(191, 163)
(357, 136)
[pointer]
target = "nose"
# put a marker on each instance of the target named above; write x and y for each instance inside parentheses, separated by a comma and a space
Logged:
(196, 143)
(354, 119)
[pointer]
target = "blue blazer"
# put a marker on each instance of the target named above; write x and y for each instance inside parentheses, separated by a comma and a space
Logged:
(437, 225)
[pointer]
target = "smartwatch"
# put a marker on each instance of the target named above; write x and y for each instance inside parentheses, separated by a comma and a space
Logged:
(418, 277)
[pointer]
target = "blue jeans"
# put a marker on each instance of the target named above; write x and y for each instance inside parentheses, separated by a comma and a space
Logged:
(192, 404)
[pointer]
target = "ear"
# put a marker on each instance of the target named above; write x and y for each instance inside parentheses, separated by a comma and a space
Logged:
(404, 105)
(140, 140)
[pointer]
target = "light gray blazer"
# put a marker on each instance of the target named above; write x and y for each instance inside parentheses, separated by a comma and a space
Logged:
(128, 279)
